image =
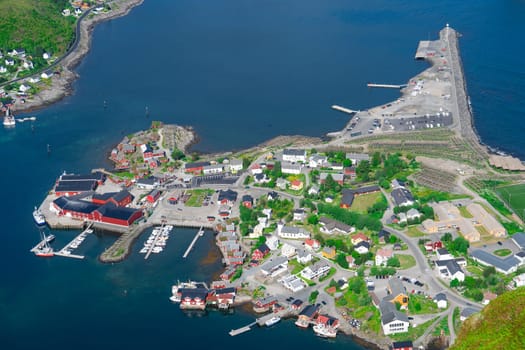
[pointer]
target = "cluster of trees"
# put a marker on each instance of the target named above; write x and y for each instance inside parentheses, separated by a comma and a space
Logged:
(457, 246)
(474, 286)
(382, 271)
(384, 168)
(360, 221)
(36, 26)
(339, 157)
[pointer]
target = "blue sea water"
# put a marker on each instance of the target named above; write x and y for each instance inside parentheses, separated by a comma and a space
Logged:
(240, 72)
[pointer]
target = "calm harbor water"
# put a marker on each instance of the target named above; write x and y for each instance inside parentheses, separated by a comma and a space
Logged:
(240, 72)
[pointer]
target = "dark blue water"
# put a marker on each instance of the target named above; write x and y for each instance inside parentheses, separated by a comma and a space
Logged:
(240, 72)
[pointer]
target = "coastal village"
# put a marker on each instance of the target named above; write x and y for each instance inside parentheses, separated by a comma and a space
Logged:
(388, 244)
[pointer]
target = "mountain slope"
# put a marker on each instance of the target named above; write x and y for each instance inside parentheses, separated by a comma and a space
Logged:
(35, 25)
(500, 325)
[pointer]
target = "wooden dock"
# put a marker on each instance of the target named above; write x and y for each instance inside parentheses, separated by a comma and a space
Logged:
(241, 330)
(157, 237)
(197, 235)
(66, 251)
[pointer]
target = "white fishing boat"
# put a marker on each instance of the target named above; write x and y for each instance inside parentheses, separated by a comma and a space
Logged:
(272, 321)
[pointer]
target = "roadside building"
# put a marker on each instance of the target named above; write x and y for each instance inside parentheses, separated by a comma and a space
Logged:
(441, 300)
(397, 292)
(382, 256)
(329, 252)
(402, 197)
(450, 269)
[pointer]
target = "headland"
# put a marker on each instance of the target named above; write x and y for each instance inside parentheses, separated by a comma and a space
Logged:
(61, 84)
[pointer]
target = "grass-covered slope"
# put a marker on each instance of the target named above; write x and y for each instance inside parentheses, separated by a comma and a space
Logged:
(36, 26)
(500, 325)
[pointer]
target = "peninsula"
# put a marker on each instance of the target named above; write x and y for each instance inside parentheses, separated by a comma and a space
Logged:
(35, 72)
(395, 230)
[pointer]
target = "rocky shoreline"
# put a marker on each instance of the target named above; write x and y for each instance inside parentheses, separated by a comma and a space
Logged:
(61, 86)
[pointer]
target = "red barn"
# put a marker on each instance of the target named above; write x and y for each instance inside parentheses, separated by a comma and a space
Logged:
(112, 214)
(195, 168)
(402, 345)
(260, 252)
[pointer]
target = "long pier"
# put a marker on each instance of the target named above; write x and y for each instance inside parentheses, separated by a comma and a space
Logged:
(387, 86)
(241, 330)
(343, 109)
(66, 251)
(199, 234)
(150, 250)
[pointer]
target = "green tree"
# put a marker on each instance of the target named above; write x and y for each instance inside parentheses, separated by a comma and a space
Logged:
(177, 154)
(313, 296)
(341, 260)
(313, 219)
(489, 270)
(376, 159)
(447, 237)
(277, 170)
(363, 170)
(393, 262)
(454, 283)
(460, 245)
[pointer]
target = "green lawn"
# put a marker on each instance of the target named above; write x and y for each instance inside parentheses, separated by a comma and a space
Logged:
(465, 213)
(407, 261)
(413, 332)
(442, 326)
(503, 252)
(414, 232)
(363, 202)
(475, 270)
(330, 273)
(197, 197)
(297, 267)
(514, 197)
(419, 305)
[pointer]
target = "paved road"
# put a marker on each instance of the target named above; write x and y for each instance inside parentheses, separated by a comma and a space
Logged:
(428, 275)
(72, 48)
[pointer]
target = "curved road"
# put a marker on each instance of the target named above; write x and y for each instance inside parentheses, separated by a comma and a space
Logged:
(71, 48)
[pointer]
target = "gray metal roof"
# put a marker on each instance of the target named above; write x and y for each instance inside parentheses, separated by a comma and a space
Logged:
(294, 152)
(396, 286)
(519, 239)
(489, 259)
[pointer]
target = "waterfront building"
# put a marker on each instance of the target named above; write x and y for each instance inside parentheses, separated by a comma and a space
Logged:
(294, 155)
(309, 313)
(392, 321)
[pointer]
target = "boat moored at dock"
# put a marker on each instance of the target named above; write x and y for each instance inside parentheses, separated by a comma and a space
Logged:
(39, 218)
(272, 321)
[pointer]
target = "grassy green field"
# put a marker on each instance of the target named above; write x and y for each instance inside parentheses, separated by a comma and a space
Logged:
(363, 202)
(514, 197)
(197, 197)
(407, 261)
(36, 26)
(502, 252)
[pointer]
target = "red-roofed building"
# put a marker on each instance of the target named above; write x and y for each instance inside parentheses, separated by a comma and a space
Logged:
(433, 246)
(312, 244)
(359, 237)
(296, 185)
